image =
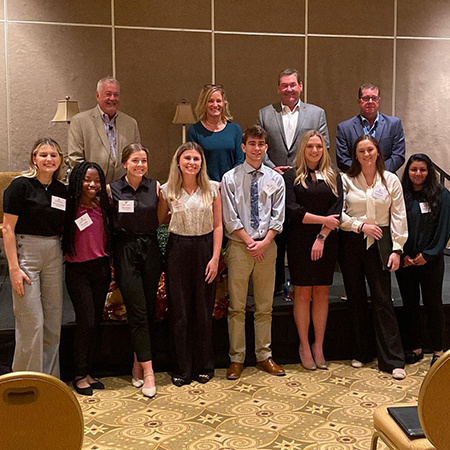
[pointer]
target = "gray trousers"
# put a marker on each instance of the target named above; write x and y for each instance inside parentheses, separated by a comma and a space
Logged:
(38, 312)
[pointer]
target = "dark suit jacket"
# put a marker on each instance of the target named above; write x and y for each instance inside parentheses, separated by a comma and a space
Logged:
(88, 141)
(310, 117)
(389, 134)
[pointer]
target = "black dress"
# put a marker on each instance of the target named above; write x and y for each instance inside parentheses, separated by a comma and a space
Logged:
(317, 199)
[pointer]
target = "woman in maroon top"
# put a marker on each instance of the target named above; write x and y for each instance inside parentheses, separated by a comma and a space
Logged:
(88, 274)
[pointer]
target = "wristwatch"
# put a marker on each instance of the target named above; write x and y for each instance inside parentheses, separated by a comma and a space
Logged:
(321, 236)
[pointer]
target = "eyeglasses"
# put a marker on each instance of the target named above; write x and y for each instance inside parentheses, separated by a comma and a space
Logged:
(367, 98)
(209, 86)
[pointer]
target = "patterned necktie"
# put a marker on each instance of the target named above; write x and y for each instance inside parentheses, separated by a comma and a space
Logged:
(254, 217)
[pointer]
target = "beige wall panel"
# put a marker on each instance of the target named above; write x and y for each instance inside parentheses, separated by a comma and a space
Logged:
(248, 67)
(362, 17)
(422, 18)
(46, 63)
(336, 69)
(260, 15)
(4, 165)
(2, 13)
(157, 69)
(164, 14)
(423, 95)
(75, 11)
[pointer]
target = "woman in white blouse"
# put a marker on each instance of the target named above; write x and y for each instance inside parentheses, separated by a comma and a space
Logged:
(373, 232)
(192, 260)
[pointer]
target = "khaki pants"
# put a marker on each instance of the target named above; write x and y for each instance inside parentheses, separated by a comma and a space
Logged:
(241, 265)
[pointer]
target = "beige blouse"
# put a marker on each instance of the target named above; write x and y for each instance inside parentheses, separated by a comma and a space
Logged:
(379, 204)
(189, 216)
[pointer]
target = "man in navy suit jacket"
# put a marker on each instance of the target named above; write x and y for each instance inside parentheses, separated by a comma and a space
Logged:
(387, 130)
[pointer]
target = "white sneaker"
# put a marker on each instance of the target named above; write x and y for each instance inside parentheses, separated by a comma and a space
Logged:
(357, 364)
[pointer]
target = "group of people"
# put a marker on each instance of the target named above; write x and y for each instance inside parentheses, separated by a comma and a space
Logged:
(223, 182)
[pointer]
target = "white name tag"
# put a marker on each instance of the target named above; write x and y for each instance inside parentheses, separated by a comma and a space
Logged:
(58, 203)
(379, 193)
(84, 221)
(270, 188)
(319, 175)
(126, 206)
(424, 207)
(178, 206)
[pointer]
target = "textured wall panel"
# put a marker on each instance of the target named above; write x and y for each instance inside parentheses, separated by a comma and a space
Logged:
(75, 11)
(419, 18)
(423, 86)
(1, 11)
(46, 63)
(3, 124)
(164, 14)
(338, 66)
(260, 15)
(248, 67)
(156, 72)
(363, 17)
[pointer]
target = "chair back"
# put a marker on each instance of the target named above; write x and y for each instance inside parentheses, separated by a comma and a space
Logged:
(434, 403)
(38, 411)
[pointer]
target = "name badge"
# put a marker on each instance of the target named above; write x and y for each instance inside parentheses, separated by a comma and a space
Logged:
(84, 221)
(58, 203)
(126, 206)
(178, 206)
(319, 175)
(379, 193)
(424, 207)
(270, 188)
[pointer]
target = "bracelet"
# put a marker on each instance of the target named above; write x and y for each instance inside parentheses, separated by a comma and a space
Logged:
(360, 228)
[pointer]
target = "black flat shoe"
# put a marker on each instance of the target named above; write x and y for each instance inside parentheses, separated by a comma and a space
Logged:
(203, 378)
(178, 381)
(82, 391)
(97, 384)
(412, 357)
(434, 359)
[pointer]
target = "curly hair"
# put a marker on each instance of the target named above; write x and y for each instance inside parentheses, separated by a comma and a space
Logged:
(74, 195)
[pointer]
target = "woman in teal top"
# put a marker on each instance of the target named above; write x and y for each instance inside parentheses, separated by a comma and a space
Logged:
(422, 266)
(219, 138)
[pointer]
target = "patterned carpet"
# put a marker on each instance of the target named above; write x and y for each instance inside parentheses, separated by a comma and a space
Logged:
(321, 410)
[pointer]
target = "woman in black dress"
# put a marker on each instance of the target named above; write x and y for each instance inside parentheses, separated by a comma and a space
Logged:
(313, 207)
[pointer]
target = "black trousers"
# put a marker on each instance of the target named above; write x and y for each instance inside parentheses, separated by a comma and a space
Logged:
(358, 264)
(87, 284)
(191, 303)
(137, 269)
(411, 280)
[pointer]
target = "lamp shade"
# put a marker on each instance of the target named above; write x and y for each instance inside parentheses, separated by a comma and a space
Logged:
(184, 114)
(66, 110)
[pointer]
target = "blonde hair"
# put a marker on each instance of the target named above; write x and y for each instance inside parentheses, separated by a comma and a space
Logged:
(203, 98)
(175, 181)
(329, 175)
(33, 170)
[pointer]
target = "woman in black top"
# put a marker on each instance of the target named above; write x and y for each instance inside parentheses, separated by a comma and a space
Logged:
(136, 255)
(313, 205)
(34, 206)
(422, 265)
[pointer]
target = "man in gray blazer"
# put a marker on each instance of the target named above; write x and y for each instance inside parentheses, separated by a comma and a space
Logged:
(285, 123)
(100, 134)
(387, 130)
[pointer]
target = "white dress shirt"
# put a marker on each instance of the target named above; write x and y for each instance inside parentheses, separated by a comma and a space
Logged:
(381, 204)
(235, 190)
(290, 121)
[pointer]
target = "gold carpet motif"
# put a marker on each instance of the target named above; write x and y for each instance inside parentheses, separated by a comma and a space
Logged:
(320, 410)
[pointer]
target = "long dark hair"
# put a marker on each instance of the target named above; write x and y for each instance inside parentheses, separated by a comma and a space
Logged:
(431, 190)
(73, 201)
(355, 168)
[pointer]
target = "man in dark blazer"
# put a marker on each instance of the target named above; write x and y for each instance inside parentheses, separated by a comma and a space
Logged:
(285, 123)
(100, 134)
(387, 130)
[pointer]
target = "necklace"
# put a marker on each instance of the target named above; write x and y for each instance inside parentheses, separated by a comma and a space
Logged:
(214, 125)
(46, 186)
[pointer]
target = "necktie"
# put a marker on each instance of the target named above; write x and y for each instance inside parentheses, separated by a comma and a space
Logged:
(254, 217)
